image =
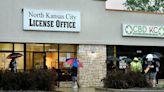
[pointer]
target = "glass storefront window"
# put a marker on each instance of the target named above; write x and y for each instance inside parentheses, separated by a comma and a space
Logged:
(34, 47)
(38, 60)
(29, 60)
(38, 55)
(64, 67)
(66, 51)
(51, 47)
(4, 61)
(18, 47)
(62, 59)
(6, 46)
(20, 62)
(67, 48)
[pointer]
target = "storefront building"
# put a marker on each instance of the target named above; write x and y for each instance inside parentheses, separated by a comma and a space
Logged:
(47, 32)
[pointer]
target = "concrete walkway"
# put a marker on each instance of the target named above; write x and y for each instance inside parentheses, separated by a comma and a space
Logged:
(130, 90)
(69, 89)
(109, 90)
(76, 90)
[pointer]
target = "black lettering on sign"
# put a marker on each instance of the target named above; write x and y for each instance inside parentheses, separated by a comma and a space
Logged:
(65, 24)
(41, 23)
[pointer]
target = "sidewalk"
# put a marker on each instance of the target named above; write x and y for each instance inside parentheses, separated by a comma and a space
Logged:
(161, 81)
(76, 90)
(69, 89)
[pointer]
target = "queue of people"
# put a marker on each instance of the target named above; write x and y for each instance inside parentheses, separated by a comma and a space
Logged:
(149, 67)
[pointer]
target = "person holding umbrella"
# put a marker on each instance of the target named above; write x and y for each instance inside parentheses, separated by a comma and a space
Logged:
(136, 65)
(13, 65)
(74, 70)
(74, 62)
(150, 69)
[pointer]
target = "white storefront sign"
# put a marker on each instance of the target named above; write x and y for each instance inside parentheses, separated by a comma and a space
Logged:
(50, 20)
(143, 30)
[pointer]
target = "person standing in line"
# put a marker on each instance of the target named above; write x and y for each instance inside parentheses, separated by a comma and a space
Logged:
(151, 72)
(136, 65)
(157, 70)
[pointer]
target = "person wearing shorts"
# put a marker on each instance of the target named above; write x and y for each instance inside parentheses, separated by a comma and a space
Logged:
(151, 74)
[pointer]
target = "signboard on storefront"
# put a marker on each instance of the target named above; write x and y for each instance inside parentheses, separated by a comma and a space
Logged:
(143, 30)
(50, 20)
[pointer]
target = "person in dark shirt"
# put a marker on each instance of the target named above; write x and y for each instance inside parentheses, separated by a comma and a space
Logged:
(151, 74)
(157, 69)
(13, 65)
(74, 71)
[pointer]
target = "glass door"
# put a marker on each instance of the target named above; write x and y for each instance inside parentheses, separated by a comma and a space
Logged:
(38, 60)
(52, 60)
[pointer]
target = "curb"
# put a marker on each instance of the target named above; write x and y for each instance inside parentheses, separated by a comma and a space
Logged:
(128, 90)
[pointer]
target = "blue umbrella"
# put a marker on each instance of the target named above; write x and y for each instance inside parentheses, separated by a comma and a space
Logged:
(74, 62)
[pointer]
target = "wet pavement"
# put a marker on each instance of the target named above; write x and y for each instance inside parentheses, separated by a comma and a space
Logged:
(76, 90)
(109, 90)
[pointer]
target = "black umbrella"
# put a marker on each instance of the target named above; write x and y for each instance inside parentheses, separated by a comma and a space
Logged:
(112, 58)
(14, 55)
(128, 60)
(158, 54)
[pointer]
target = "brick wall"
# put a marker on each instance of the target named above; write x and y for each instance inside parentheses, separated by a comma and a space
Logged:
(94, 67)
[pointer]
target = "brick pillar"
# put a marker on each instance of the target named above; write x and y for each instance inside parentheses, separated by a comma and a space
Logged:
(93, 58)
